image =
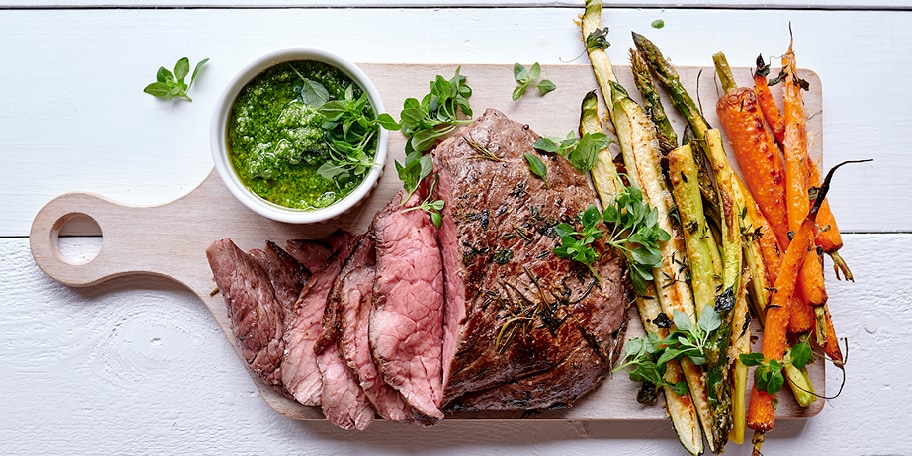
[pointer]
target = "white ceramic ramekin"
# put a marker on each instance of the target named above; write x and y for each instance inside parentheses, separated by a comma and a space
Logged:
(219, 138)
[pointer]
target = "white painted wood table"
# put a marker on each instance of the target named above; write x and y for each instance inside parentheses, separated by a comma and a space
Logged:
(139, 366)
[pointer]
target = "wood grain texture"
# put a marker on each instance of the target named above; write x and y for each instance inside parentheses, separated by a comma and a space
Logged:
(170, 240)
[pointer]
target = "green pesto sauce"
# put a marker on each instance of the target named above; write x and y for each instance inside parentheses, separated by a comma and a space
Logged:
(276, 141)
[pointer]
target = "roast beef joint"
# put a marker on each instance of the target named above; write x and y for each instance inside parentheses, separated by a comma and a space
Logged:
(409, 321)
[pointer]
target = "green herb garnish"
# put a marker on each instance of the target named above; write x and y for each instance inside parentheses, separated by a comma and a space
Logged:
(577, 245)
(526, 77)
(768, 374)
(658, 23)
(582, 152)
(437, 114)
(433, 208)
(598, 39)
(537, 167)
(646, 357)
(350, 126)
(634, 230)
(170, 84)
(423, 123)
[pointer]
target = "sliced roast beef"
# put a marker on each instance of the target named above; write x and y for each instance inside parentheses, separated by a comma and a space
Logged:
(352, 295)
(406, 323)
(304, 324)
(286, 274)
(520, 323)
(256, 316)
(344, 402)
(312, 253)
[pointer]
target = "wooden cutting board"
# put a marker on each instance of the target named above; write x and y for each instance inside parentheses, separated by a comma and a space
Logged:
(170, 240)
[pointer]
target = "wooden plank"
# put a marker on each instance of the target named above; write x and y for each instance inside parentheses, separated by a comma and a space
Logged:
(730, 4)
(170, 240)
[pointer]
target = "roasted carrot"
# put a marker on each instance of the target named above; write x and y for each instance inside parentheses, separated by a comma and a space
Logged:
(797, 175)
(767, 102)
(832, 348)
(761, 412)
(758, 155)
(754, 148)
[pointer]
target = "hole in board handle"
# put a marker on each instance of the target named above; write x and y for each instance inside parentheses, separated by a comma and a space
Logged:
(76, 239)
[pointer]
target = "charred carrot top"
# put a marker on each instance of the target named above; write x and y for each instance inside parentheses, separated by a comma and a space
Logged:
(771, 111)
(754, 149)
(828, 236)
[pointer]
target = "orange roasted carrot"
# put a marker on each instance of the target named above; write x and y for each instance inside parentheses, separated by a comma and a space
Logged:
(801, 316)
(832, 348)
(797, 175)
(754, 148)
(768, 106)
(758, 155)
(761, 412)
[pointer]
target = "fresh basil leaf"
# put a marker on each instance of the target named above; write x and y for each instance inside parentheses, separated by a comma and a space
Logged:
(709, 320)
(519, 91)
(534, 71)
(196, 70)
(682, 321)
(315, 94)
(520, 73)
(801, 354)
(164, 75)
(386, 121)
(775, 383)
(545, 144)
(751, 359)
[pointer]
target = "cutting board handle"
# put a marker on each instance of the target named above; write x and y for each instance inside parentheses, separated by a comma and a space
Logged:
(56, 218)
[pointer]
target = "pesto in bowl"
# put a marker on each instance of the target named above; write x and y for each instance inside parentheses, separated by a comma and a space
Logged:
(295, 136)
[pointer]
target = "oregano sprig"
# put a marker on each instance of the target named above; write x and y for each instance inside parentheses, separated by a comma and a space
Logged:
(646, 357)
(437, 114)
(526, 77)
(170, 84)
(768, 374)
(636, 233)
(577, 245)
(633, 229)
(582, 152)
